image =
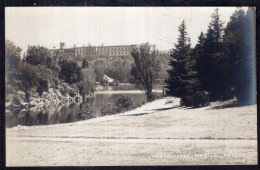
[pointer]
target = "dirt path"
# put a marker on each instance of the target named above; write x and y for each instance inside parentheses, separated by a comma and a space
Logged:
(158, 133)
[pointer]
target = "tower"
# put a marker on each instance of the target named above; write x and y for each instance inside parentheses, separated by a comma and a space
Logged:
(62, 45)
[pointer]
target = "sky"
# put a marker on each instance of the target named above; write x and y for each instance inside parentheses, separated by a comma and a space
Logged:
(48, 26)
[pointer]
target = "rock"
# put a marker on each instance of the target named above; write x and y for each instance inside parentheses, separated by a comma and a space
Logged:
(7, 104)
(24, 105)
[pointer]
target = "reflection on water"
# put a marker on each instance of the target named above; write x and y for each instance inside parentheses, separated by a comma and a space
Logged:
(63, 113)
(132, 87)
(103, 99)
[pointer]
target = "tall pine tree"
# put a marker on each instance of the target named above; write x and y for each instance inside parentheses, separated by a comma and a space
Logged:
(213, 64)
(182, 77)
(239, 40)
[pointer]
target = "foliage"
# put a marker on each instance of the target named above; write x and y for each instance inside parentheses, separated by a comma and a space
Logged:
(124, 103)
(240, 49)
(201, 99)
(37, 55)
(108, 109)
(26, 77)
(87, 84)
(221, 63)
(225, 58)
(43, 86)
(84, 63)
(198, 99)
(70, 72)
(84, 112)
(145, 69)
(72, 93)
(12, 56)
(183, 79)
(99, 71)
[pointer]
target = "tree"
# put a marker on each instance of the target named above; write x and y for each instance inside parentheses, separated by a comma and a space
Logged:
(212, 59)
(99, 71)
(12, 60)
(70, 72)
(12, 55)
(239, 40)
(84, 63)
(182, 80)
(87, 84)
(145, 69)
(37, 55)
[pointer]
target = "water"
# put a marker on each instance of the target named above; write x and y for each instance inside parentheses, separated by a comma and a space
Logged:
(64, 113)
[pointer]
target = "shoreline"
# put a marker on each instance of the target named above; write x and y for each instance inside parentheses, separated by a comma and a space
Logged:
(156, 133)
(124, 91)
(101, 118)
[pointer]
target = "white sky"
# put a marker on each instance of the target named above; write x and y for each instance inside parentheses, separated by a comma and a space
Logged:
(48, 26)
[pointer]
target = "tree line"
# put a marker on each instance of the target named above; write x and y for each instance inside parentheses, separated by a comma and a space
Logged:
(37, 71)
(220, 66)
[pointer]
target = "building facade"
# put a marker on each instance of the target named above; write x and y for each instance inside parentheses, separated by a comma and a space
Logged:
(109, 51)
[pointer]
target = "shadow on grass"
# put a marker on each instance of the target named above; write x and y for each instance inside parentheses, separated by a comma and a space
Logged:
(168, 108)
(138, 114)
(226, 105)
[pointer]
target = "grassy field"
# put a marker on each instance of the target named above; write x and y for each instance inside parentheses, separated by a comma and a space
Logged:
(158, 133)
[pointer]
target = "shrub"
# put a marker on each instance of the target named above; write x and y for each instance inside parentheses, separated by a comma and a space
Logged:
(72, 93)
(111, 84)
(199, 99)
(124, 103)
(84, 112)
(187, 101)
(156, 96)
(108, 109)
(43, 86)
(70, 72)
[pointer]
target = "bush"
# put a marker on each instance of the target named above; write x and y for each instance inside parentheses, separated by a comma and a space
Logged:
(108, 109)
(84, 113)
(43, 86)
(156, 96)
(199, 99)
(72, 93)
(187, 101)
(124, 103)
(70, 72)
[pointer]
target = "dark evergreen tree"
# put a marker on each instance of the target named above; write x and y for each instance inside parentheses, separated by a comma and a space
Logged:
(199, 55)
(213, 60)
(240, 47)
(182, 80)
(85, 63)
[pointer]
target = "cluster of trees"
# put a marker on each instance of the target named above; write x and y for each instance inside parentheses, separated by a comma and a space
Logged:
(38, 71)
(118, 69)
(221, 64)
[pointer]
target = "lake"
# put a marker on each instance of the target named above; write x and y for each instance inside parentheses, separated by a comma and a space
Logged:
(64, 113)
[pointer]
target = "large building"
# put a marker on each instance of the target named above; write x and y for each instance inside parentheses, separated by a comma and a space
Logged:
(110, 51)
